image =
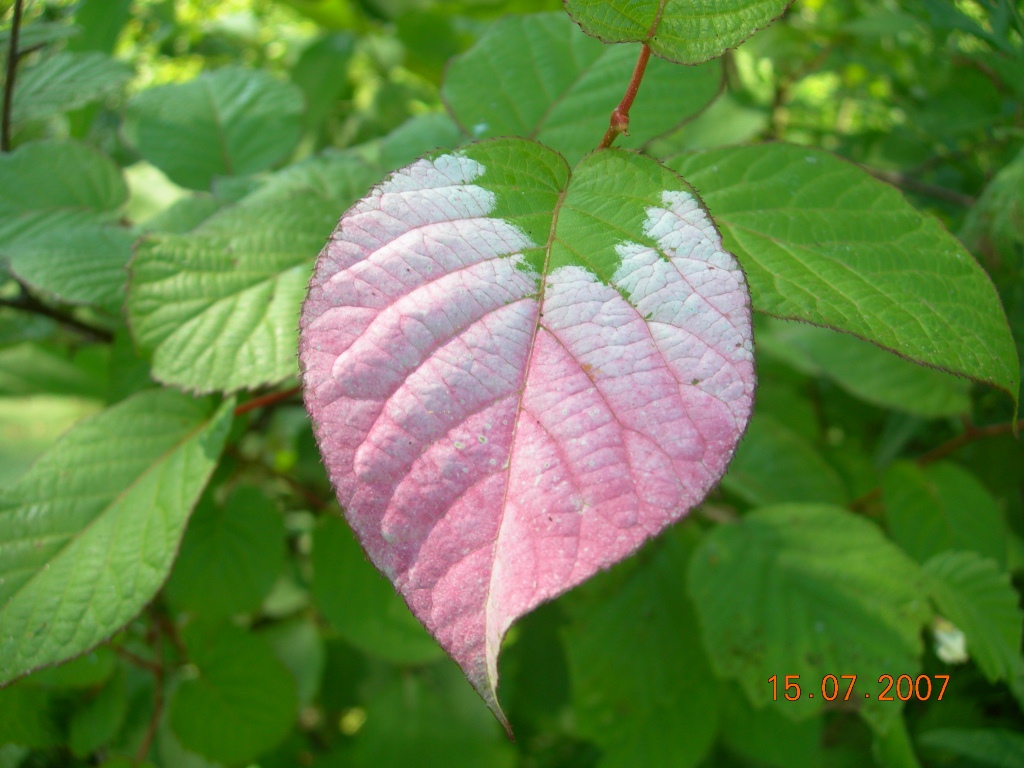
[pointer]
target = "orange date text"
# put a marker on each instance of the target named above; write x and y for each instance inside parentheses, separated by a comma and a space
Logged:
(833, 687)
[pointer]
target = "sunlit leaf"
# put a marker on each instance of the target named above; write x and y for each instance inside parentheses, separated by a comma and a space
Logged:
(88, 534)
(678, 30)
(823, 242)
(540, 77)
(230, 122)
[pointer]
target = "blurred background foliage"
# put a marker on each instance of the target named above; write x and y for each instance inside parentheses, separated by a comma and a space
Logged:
(274, 643)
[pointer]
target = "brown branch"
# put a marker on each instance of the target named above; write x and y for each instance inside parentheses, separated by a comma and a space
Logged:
(136, 660)
(12, 69)
(971, 434)
(156, 640)
(26, 302)
(619, 122)
(264, 400)
(911, 184)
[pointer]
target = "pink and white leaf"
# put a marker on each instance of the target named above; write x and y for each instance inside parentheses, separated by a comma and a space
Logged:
(518, 374)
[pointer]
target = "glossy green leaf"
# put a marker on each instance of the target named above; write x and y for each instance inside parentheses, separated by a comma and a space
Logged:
(57, 221)
(241, 701)
(229, 122)
(823, 242)
(230, 556)
(639, 714)
(539, 77)
(66, 81)
(808, 590)
(218, 306)
(425, 718)
(978, 597)
(774, 464)
(678, 30)
(940, 507)
(360, 604)
(88, 535)
(873, 374)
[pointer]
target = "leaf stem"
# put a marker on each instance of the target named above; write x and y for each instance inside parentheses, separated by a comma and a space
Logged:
(970, 434)
(264, 400)
(156, 640)
(619, 122)
(12, 68)
(910, 184)
(26, 302)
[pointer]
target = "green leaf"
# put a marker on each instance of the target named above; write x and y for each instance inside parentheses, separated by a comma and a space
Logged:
(57, 221)
(219, 306)
(424, 718)
(230, 556)
(97, 721)
(100, 22)
(942, 507)
(541, 78)
(229, 122)
(29, 425)
(892, 747)
(808, 590)
(823, 242)
(414, 137)
(774, 464)
(765, 736)
(978, 597)
(300, 647)
(994, 747)
(637, 710)
(360, 604)
(678, 30)
(32, 369)
(83, 265)
(86, 671)
(873, 374)
(66, 81)
(241, 701)
(88, 534)
(321, 71)
(56, 177)
(28, 717)
(994, 230)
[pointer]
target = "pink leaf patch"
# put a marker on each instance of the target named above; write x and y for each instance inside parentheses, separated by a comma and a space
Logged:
(517, 377)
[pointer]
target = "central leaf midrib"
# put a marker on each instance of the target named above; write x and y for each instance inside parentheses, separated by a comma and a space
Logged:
(519, 411)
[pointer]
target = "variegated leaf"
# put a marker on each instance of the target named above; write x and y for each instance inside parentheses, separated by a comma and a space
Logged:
(518, 373)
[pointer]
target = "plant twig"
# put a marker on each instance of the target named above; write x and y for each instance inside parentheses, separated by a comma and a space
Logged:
(26, 302)
(263, 401)
(156, 639)
(971, 434)
(619, 122)
(12, 68)
(911, 184)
